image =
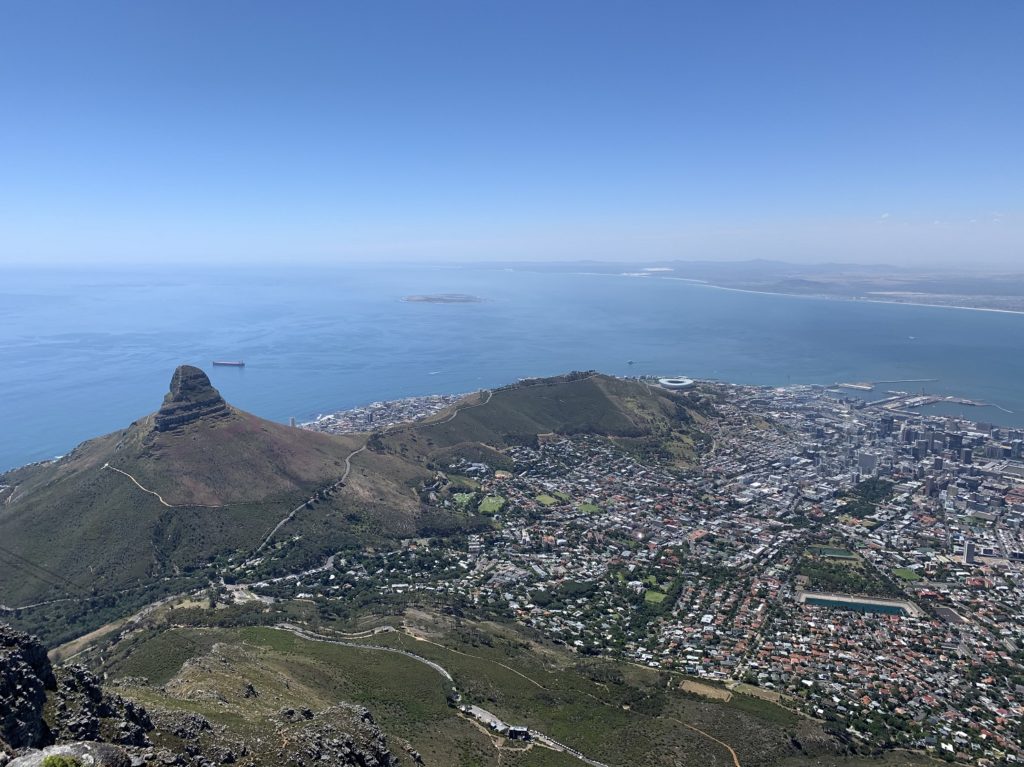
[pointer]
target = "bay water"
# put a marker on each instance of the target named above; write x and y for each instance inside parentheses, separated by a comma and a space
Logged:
(85, 352)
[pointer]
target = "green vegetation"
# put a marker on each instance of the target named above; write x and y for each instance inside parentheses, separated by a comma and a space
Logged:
(162, 653)
(546, 500)
(863, 500)
(906, 574)
(612, 711)
(588, 508)
(58, 760)
(70, 519)
(463, 484)
(491, 504)
(463, 500)
(654, 597)
(90, 533)
(627, 412)
(831, 552)
(764, 709)
(845, 577)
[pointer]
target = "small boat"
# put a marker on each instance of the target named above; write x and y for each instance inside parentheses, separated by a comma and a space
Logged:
(229, 363)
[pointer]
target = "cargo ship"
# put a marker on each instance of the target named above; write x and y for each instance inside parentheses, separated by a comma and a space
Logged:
(229, 363)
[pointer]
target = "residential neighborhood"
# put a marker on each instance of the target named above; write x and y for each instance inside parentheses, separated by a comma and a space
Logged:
(858, 561)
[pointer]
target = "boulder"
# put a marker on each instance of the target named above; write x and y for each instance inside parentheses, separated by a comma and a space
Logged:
(88, 755)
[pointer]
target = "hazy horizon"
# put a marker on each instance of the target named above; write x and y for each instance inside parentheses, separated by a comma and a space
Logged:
(242, 133)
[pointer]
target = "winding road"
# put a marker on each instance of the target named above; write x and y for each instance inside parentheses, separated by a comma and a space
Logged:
(540, 737)
(291, 514)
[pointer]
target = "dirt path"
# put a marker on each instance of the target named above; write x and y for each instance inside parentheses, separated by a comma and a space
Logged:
(478, 657)
(722, 743)
(77, 646)
(291, 514)
(139, 485)
(539, 737)
(157, 495)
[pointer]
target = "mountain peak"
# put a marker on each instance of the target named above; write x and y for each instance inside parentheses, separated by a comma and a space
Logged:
(191, 398)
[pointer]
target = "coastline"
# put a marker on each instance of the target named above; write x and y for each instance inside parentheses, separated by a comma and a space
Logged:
(850, 299)
(308, 368)
(813, 296)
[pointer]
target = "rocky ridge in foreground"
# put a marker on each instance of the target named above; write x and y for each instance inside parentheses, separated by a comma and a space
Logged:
(64, 712)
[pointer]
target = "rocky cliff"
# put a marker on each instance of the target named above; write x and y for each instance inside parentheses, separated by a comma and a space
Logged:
(191, 398)
(25, 678)
(65, 712)
(40, 706)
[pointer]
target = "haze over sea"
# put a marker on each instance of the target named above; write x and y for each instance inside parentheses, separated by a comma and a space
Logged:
(83, 353)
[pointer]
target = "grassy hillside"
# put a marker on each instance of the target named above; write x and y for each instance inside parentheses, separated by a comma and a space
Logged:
(161, 507)
(237, 459)
(143, 511)
(615, 712)
(639, 417)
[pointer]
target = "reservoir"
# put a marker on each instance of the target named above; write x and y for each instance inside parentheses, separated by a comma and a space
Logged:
(859, 604)
(860, 607)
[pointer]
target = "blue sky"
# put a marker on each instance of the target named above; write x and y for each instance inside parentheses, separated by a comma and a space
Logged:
(877, 131)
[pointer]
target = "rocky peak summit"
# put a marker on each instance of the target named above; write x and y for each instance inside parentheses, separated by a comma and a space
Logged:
(191, 398)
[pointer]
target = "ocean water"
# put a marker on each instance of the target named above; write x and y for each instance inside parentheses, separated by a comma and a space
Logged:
(85, 352)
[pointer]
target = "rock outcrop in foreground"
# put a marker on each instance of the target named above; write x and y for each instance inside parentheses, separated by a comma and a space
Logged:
(64, 712)
(191, 398)
(40, 707)
(25, 678)
(91, 754)
(342, 735)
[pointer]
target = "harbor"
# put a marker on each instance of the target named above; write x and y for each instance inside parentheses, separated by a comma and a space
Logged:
(903, 401)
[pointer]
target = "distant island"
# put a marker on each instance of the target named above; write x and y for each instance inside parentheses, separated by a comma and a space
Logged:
(444, 298)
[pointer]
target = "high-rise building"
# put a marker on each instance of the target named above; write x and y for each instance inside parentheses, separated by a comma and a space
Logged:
(868, 462)
(969, 552)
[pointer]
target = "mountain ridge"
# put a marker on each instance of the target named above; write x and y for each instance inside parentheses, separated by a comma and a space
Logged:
(168, 502)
